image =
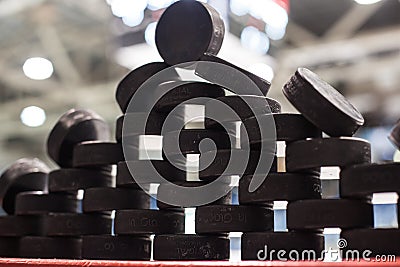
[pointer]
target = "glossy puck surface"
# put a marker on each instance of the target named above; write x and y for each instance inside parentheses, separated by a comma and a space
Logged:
(50, 247)
(102, 247)
(322, 104)
(319, 152)
(280, 186)
(73, 127)
(94, 153)
(328, 213)
(108, 199)
(61, 180)
(203, 31)
(37, 203)
(233, 218)
(19, 225)
(190, 247)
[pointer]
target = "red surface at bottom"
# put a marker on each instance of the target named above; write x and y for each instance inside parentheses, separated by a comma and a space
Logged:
(94, 263)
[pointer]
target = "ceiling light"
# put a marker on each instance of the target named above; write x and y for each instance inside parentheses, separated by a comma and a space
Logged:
(37, 68)
(33, 116)
(367, 2)
(124, 8)
(150, 34)
(251, 38)
(133, 19)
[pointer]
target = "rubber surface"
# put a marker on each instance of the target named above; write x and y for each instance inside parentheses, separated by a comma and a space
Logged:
(272, 242)
(190, 247)
(327, 213)
(9, 247)
(50, 247)
(203, 31)
(280, 186)
(19, 225)
(94, 153)
(319, 152)
(322, 104)
(116, 248)
(73, 127)
(233, 218)
(75, 179)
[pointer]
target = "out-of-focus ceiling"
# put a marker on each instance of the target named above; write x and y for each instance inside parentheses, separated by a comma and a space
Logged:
(355, 47)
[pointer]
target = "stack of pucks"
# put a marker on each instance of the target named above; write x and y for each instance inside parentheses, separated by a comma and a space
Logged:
(330, 112)
(361, 182)
(62, 221)
(24, 175)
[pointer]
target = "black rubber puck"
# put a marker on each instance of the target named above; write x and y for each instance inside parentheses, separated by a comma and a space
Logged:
(94, 153)
(26, 174)
(74, 127)
(280, 186)
(190, 247)
(15, 225)
(139, 168)
(322, 104)
(116, 248)
(133, 222)
(394, 135)
(288, 127)
(189, 141)
(186, 92)
(32, 203)
(62, 180)
(233, 218)
(265, 246)
(50, 247)
(319, 152)
(201, 25)
(9, 247)
(69, 224)
(382, 242)
(327, 213)
(165, 190)
(133, 121)
(212, 74)
(108, 199)
(362, 181)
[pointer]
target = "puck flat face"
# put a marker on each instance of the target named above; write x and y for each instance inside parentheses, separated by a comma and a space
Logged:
(378, 241)
(327, 213)
(133, 222)
(132, 82)
(95, 153)
(9, 247)
(322, 104)
(37, 203)
(190, 247)
(233, 218)
(108, 199)
(269, 243)
(280, 186)
(203, 32)
(102, 247)
(289, 128)
(319, 152)
(186, 92)
(63, 180)
(25, 174)
(15, 225)
(69, 224)
(394, 135)
(50, 247)
(73, 127)
(362, 181)
(209, 74)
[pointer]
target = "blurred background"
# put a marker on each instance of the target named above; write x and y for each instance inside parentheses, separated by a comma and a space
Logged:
(56, 55)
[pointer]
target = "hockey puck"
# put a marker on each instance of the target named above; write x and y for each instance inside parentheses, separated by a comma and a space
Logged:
(201, 25)
(319, 152)
(116, 248)
(280, 186)
(62, 180)
(268, 246)
(74, 127)
(133, 222)
(69, 224)
(23, 175)
(108, 199)
(9, 247)
(328, 213)
(94, 153)
(15, 225)
(394, 135)
(36, 203)
(50, 247)
(233, 218)
(322, 104)
(190, 247)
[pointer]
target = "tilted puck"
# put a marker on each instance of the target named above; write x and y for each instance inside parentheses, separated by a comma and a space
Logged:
(94, 153)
